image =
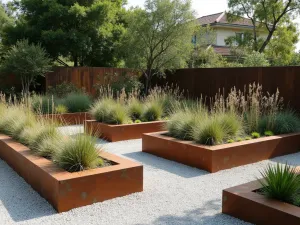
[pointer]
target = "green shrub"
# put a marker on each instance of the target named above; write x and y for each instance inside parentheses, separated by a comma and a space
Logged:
(286, 122)
(77, 102)
(268, 133)
(239, 139)
(255, 135)
(43, 104)
(256, 59)
(230, 141)
(137, 121)
(248, 138)
(135, 109)
(63, 89)
(78, 154)
(209, 132)
(60, 109)
(281, 183)
(110, 112)
(153, 111)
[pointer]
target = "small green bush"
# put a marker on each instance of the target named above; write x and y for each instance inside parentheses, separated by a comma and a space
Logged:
(43, 104)
(63, 89)
(230, 141)
(239, 139)
(153, 111)
(77, 102)
(248, 138)
(110, 112)
(60, 109)
(281, 183)
(255, 135)
(137, 121)
(268, 133)
(78, 154)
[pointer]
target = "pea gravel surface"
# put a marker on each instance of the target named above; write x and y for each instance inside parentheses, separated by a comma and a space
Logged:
(173, 193)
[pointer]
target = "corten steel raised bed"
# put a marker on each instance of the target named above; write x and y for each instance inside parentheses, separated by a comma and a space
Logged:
(66, 190)
(123, 131)
(69, 118)
(220, 157)
(244, 203)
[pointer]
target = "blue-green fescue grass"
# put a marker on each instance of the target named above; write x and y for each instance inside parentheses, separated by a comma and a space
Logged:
(281, 182)
(78, 154)
(286, 122)
(109, 111)
(77, 102)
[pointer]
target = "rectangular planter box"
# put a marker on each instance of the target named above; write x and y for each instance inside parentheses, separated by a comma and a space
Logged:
(123, 131)
(243, 203)
(66, 190)
(69, 118)
(220, 157)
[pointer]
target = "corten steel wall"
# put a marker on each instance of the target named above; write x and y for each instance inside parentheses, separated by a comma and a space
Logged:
(83, 77)
(208, 81)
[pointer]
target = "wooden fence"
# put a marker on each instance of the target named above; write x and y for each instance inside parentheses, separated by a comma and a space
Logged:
(208, 81)
(86, 78)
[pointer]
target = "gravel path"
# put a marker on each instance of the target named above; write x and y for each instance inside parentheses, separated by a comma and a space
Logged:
(173, 194)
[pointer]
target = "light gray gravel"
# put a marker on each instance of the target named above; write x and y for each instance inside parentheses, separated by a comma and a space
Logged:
(173, 194)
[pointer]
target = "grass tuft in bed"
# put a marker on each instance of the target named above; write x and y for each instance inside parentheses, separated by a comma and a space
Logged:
(78, 154)
(135, 109)
(153, 111)
(77, 102)
(281, 182)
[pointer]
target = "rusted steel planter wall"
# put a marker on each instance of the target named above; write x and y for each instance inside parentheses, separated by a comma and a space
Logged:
(220, 157)
(124, 131)
(66, 190)
(69, 118)
(243, 203)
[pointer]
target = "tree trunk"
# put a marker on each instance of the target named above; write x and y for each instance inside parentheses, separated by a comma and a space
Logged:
(266, 42)
(75, 58)
(148, 76)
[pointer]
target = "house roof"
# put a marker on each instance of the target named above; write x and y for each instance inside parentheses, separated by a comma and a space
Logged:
(221, 18)
(222, 50)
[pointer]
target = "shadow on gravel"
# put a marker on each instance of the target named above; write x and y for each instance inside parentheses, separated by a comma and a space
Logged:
(291, 159)
(19, 199)
(198, 216)
(167, 165)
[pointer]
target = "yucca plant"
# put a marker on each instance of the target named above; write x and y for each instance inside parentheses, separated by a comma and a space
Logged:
(281, 182)
(78, 154)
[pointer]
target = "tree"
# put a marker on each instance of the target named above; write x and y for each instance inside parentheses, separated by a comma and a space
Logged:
(256, 59)
(86, 31)
(26, 62)
(159, 37)
(264, 14)
(5, 20)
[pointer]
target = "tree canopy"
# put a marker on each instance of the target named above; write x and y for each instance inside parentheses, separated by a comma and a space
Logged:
(159, 37)
(266, 15)
(85, 31)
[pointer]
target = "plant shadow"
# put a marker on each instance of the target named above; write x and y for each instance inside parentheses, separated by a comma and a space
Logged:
(167, 165)
(203, 215)
(291, 159)
(20, 200)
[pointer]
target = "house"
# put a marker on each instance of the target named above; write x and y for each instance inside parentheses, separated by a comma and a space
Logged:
(225, 29)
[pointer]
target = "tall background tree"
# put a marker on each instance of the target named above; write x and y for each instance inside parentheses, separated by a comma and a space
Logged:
(159, 37)
(270, 17)
(5, 20)
(86, 32)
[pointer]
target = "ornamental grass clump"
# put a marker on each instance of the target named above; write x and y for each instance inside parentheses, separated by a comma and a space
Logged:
(109, 111)
(153, 111)
(77, 102)
(43, 104)
(281, 182)
(135, 109)
(78, 154)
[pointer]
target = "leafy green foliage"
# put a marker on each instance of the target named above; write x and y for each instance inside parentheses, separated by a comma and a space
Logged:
(158, 37)
(78, 154)
(43, 104)
(255, 135)
(27, 62)
(62, 90)
(60, 109)
(88, 32)
(268, 133)
(230, 141)
(256, 59)
(281, 183)
(77, 102)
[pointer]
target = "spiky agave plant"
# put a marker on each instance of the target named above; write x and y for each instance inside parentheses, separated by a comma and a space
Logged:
(281, 182)
(78, 154)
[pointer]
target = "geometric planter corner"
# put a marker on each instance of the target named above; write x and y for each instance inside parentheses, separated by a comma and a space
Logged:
(65, 190)
(219, 157)
(243, 203)
(69, 118)
(122, 132)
